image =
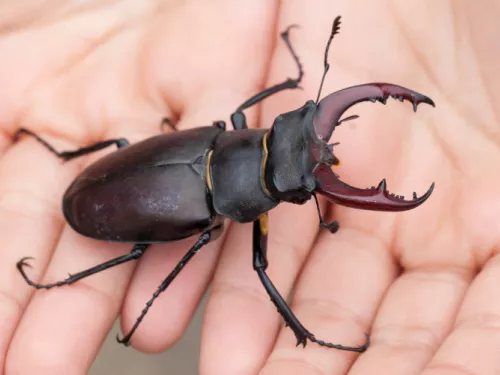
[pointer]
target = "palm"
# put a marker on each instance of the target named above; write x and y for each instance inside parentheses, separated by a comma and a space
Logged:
(407, 273)
(199, 65)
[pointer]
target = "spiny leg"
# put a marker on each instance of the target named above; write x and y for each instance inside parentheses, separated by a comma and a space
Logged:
(136, 253)
(168, 122)
(68, 155)
(238, 118)
(202, 241)
(220, 124)
(260, 229)
(333, 226)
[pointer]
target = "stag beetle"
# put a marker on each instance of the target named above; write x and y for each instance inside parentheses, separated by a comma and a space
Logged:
(173, 186)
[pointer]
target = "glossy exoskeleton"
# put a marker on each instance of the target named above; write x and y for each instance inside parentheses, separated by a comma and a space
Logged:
(181, 184)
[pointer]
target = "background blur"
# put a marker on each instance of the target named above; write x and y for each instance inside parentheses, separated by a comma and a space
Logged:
(180, 359)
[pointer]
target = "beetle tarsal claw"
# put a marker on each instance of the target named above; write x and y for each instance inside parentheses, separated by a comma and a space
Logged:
(24, 263)
(301, 341)
(332, 227)
(124, 341)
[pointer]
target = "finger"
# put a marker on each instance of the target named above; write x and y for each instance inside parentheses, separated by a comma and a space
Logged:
(420, 305)
(472, 345)
(31, 183)
(167, 320)
(413, 321)
(224, 60)
(207, 93)
(240, 318)
(336, 297)
(168, 317)
(63, 328)
(72, 320)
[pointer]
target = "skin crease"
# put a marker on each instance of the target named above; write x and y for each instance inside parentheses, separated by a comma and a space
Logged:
(423, 282)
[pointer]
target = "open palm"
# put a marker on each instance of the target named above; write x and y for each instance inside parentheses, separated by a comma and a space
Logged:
(422, 282)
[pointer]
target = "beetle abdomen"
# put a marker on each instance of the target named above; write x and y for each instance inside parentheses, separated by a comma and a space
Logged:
(160, 204)
(151, 191)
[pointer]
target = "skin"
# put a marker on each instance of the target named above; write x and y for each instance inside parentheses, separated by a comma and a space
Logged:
(423, 282)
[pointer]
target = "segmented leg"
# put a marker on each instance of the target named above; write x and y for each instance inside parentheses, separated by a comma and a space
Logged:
(238, 118)
(260, 263)
(167, 122)
(333, 226)
(68, 155)
(220, 124)
(136, 253)
(202, 241)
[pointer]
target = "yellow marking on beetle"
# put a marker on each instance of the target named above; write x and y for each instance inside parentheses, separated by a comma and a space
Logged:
(208, 175)
(264, 223)
(263, 166)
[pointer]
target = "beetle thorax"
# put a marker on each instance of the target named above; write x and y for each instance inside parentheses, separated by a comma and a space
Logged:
(294, 152)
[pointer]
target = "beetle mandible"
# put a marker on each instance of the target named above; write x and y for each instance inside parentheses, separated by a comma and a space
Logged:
(173, 186)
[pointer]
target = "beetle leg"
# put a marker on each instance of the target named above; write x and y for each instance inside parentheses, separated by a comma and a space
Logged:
(333, 226)
(238, 118)
(68, 155)
(136, 253)
(220, 124)
(170, 123)
(202, 241)
(260, 230)
(167, 122)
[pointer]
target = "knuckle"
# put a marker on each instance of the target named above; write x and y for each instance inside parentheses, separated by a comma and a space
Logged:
(240, 291)
(330, 313)
(408, 337)
(28, 204)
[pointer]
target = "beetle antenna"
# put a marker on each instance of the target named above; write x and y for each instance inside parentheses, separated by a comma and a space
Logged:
(335, 30)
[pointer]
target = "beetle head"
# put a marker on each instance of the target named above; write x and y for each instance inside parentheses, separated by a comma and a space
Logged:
(300, 159)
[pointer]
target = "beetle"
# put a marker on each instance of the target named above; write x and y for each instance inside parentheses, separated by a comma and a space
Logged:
(175, 185)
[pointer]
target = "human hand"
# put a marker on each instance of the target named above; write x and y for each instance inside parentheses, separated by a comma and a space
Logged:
(423, 282)
(73, 106)
(76, 75)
